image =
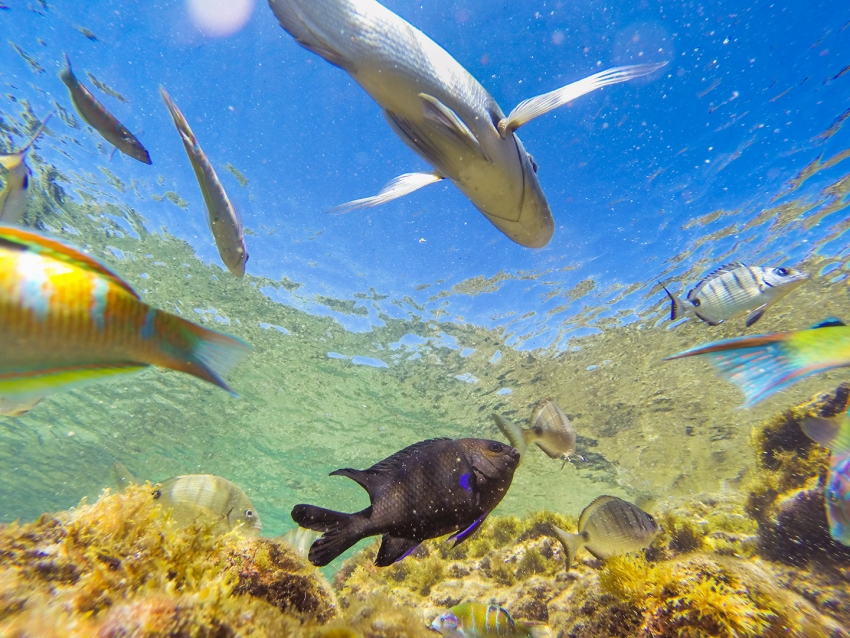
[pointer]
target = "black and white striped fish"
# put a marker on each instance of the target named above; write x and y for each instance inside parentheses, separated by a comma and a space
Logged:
(734, 290)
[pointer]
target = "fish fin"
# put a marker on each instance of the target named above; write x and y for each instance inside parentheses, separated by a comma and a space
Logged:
(460, 536)
(411, 134)
(759, 365)
(535, 629)
(833, 433)
(66, 74)
(298, 26)
(831, 322)
(513, 432)
(710, 322)
(123, 476)
(36, 135)
(540, 105)
(395, 188)
(449, 124)
(594, 504)
(40, 382)
(18, 405)
(369, 481)
(337, 527)
(26, 239)
(571, 543)
(677, 308)
(394, 549)
(755, 315)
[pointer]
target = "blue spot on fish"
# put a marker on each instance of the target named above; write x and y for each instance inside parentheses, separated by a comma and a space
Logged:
(464, 482)
(148, 328)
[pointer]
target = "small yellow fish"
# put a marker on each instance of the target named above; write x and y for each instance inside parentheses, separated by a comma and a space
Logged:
(224, 222)
(206, 498)
(550, 430)
(101, 120)
(15, 193)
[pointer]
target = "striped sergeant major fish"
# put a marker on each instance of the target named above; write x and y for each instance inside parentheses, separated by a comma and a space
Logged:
(15, 193)
(439, 110)
(101, 120)
(68, 321)
(764, 364)
(734, 290)
(480, 620)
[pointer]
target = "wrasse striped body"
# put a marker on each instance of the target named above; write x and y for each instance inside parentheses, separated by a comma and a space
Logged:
(764, 364)
(67, 320)
(479, 620)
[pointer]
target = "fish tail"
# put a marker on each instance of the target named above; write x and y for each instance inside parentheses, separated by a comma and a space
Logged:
(339, 532)
(514, 433)
(571, 543)
(193, 349)
(536, 629)
(677, 308)
(760, 365)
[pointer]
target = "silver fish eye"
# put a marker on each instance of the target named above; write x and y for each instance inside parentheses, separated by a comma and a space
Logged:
(782, 272)
(249, 514)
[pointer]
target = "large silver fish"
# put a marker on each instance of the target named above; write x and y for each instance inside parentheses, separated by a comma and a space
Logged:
(439, 110)
(15, 193)
(734, 290)
(224, 222)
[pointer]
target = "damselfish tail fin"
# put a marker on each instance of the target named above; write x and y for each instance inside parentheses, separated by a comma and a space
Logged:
(514, 433)
(677, 308)
(760, 365)
(190, 348)
(571, 543)
(339, 532)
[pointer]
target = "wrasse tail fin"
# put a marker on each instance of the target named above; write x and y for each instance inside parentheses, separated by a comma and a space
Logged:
(571, 543)
(337, 527)
(759, 366)
(513, 432)
(677, 308)
(394, 549)
(395, 188)
(535, 107)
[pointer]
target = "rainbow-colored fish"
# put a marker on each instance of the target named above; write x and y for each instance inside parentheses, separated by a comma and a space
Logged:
(67, 320)
(764, 364)
(834, 433)
(480, 620)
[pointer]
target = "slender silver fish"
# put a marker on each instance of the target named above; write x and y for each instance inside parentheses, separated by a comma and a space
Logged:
(224, 222)
(439, 110)
(101, 120)
(550, 430)
(15, 193)
(607, 527)
(734, 290)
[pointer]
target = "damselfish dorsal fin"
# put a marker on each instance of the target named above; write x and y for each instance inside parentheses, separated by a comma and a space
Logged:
(598, 502)
(15, 236)
(829, 322)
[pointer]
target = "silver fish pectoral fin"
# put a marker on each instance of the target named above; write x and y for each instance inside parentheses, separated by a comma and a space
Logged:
(755, 315)
(449, 124)
(534, 107)
(395, 188)
(298, 26)
(446, 163)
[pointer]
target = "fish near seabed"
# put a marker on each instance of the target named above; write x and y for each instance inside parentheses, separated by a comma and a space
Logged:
(300, 539)
(67, 321)
(222, 218)
(207, 498)
(426, 490)
(834, 433)
(15, 194)
(480, 620)
(734, 290)
(550, 430)
(609, 526)
(101, 120)
(439, 110)
(764, 364)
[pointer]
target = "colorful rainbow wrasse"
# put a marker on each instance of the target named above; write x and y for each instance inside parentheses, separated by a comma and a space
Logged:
(764, 364)
(479, 620)
(68, 321)
(15, 193)
(834, 433)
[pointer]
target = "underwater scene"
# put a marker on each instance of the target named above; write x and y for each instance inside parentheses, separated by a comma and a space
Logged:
(301, 335)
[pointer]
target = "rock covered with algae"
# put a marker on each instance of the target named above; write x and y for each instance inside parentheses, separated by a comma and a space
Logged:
(120, 568)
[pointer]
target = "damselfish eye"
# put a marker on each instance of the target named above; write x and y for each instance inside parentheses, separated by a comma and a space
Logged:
(249, 514)
(496, 447)
(782, 272)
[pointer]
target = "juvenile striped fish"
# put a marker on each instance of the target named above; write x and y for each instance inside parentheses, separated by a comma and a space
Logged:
(764, 364)
(222, 218)
(479, 620)
(439, 110)
(550, 430)
(609, 526)
(15, 194)
(67, 320)
(734, 290)
(101, 120)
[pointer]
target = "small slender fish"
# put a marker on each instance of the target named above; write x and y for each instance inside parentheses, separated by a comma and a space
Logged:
(834, 433)
(735, 290)
(764, 364)
(550, 430)
(223, 220)
(609, 526)
(300, 538)
(480, 620)
(439, 110)
(207, 498)
(101, 120)
(67, 321)
(15, 194)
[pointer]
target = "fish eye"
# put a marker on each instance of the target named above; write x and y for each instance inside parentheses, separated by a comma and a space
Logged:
(496, 447)
(782, 272)
(832, 495)
(249, 514)
(696, 303)
(156, 493)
